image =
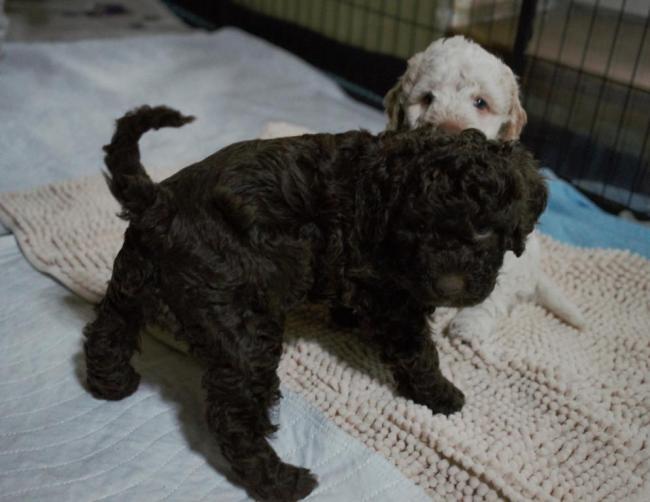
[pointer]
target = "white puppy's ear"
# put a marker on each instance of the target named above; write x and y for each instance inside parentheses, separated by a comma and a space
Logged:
(517, 118)
(394, 107)
(396, 99)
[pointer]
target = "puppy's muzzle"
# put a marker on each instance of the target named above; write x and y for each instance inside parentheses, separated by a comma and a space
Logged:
(451, 127)
(451, 285)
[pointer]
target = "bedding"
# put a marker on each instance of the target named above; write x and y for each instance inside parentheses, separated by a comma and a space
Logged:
(552, 413)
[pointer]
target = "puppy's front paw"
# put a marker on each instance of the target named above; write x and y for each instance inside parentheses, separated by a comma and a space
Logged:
(472, 324)
(451, 401)
(444, 397)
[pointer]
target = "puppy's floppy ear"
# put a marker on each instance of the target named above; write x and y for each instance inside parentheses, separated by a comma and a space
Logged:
(394, 107)
(517, 117)
(534, 182)
(536, 198)
(519, 245)
(395, 99)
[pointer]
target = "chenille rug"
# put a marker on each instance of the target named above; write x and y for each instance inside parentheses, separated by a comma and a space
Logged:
(552, 413)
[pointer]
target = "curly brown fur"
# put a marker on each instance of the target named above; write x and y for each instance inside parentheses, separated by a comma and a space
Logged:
(390, 226)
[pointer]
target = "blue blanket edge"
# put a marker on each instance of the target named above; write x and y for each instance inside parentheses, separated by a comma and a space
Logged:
(572, 218)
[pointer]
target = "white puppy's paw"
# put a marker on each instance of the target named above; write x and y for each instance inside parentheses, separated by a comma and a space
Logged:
(472, 324)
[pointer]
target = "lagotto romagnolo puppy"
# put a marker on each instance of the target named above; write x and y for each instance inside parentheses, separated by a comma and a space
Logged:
(455, 85)
(389, 226)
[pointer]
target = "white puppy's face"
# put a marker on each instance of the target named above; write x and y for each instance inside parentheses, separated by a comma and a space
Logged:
(455, 84)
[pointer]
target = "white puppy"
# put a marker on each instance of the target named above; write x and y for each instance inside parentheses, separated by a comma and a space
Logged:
(455, 84)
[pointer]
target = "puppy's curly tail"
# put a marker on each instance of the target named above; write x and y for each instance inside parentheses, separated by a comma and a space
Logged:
(128, 181)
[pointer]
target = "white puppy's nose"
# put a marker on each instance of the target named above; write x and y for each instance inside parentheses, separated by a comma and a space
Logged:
(450, 127)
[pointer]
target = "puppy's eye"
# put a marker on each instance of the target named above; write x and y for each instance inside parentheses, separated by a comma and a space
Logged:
(480, 103)
(482, 233)
(427, 98)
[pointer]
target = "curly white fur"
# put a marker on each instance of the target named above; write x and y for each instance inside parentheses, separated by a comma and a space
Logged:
(455, 84)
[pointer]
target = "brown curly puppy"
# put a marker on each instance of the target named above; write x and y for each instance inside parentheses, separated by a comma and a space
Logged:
(390, 226)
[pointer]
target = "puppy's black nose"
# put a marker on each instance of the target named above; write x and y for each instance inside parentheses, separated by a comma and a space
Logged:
(451, 284)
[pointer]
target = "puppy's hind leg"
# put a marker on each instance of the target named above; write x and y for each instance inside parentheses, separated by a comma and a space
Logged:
(113, 337)
(242, 347)
(241, 425)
